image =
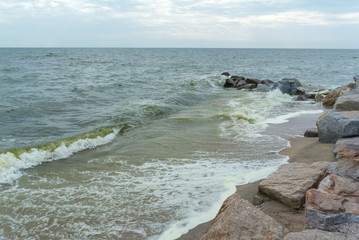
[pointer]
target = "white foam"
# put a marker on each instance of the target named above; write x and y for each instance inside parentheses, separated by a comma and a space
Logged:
(10, 165)
(285, 118)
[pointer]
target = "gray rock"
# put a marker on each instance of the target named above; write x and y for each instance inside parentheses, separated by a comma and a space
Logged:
(313, 132)
(288, 86)
(347, 103)
(333, 125)
(267, 82)
(345, 168)
(291, 181)
(315, 234)
(239, 219)
(247, 86)
(229, 83)
(263, 88)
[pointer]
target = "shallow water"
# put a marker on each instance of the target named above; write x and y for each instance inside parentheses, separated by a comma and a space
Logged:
(175, 142)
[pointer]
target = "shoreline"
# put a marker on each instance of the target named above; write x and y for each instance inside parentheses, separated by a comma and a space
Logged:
(301, 149)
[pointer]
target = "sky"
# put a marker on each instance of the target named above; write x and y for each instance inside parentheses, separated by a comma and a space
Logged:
(180, 23)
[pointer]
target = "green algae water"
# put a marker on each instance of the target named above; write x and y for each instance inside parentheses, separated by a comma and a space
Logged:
(141, 143)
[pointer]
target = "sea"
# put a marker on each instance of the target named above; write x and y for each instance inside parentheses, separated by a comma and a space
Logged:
(126, 143)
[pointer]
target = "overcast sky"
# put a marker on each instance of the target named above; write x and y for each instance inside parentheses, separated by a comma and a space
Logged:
(180, 23)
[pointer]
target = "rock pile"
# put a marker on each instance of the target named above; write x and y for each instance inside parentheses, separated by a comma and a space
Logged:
(291, 86)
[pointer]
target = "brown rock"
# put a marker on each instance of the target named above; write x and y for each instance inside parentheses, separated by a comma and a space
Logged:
(347, 103)
(323, 201)
(347, 149)
(239, 219)
(315, 234)
(331, 98)
(334, 206)
(291, 181)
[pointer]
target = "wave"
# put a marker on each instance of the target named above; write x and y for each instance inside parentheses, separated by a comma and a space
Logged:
(12, 161)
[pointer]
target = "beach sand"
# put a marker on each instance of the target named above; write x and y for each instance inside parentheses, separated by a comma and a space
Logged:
(302, 149)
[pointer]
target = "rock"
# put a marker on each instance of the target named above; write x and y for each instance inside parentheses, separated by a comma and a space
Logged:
(239, 219)
(291, 181)
(347, 154)
(313, 132)
(247, 86)
(345, 168)
(300, 98)
(263, 88)
(310, 95)
(239, 83)
(347, 103)
(252, 81)
(356, 78)
(333, 125)
(347, 148)
(299, 84)
(226, 74)
(319, 97)
(267, 82)
(229, 83)
(332, 97)
(315, 234)
(334, 206)
(288, 86)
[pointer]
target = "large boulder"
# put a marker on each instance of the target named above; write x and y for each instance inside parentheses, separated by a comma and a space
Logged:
(288, 85)
(291, 181)
(332, 97)
(334, 206)
(333, 125)
(347, 103)
(347, 154)
(315, 234)
(239, 219)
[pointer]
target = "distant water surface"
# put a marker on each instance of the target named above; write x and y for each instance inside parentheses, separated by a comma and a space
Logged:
(141, 143)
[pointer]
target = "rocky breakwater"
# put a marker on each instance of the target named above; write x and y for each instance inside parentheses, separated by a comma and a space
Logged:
(328, 193)
(291, 86)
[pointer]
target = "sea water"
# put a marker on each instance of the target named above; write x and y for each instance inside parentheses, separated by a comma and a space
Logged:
(141, 143)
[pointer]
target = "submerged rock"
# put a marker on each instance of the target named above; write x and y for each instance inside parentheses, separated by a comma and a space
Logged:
(291, 181)
(334, 206)
(333, 125)
(239, 219)
(226, 74)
